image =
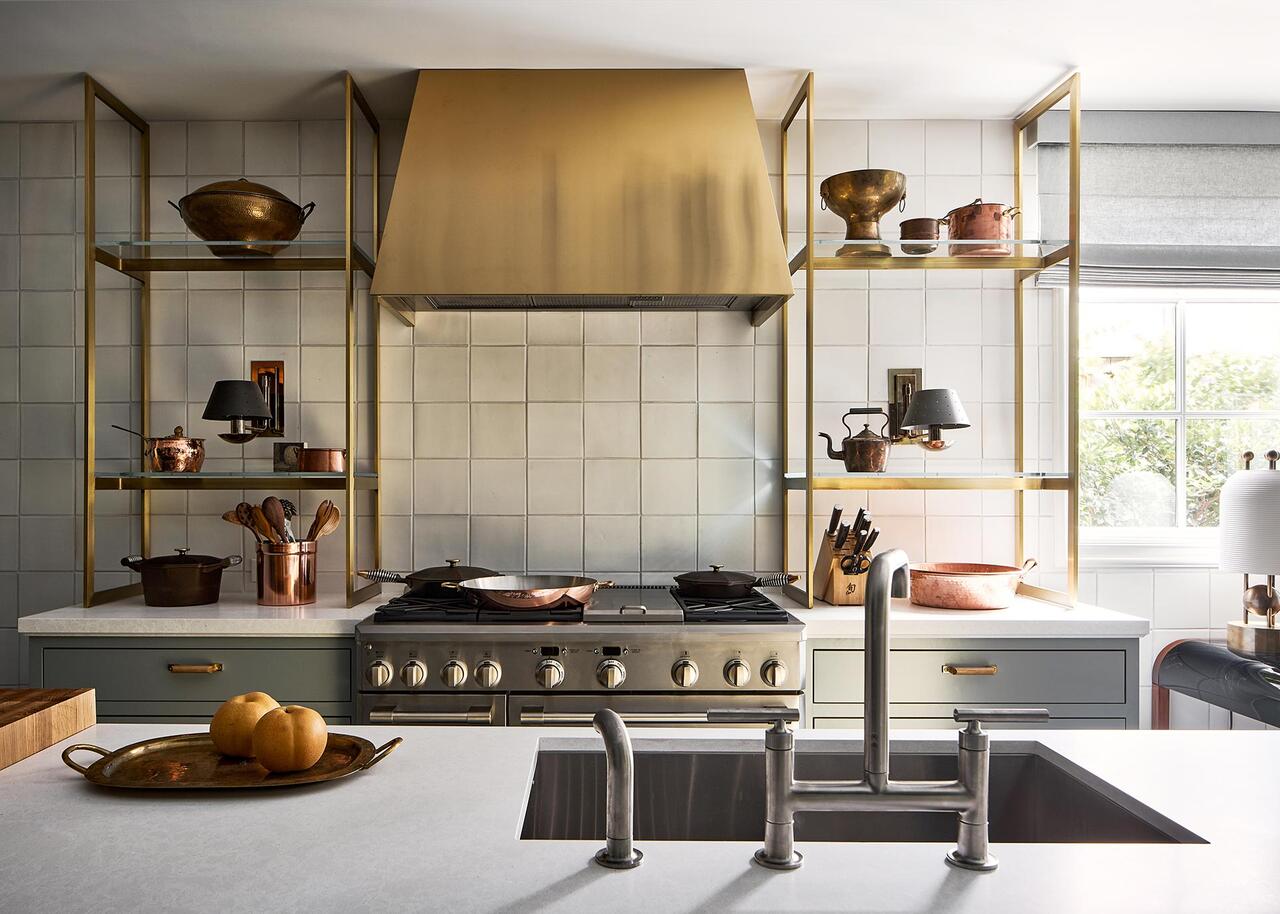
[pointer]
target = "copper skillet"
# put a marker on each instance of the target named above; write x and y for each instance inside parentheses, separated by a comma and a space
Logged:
(528, 591)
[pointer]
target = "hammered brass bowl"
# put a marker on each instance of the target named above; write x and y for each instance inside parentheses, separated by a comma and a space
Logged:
(860, 198)
(242, 210)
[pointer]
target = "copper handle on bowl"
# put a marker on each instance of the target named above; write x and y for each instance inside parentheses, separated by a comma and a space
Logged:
(66, 755)
(955, 670)
(195, 668)
(382, 752)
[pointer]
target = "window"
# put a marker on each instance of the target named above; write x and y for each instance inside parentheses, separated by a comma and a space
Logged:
(1174, 386)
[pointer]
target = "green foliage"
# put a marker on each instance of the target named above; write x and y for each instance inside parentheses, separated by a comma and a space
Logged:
(1124, 461)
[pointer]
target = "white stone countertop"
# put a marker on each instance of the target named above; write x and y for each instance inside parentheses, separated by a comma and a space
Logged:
(435, 827)
(240, 616)
(235, 615)
(1026, 618)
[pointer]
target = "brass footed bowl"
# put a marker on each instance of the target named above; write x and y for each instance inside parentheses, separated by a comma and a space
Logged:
(242, 210)
(860, 198)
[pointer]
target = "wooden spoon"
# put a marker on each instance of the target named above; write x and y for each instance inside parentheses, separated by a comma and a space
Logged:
(322, 520)
(331, 521)
(262, 525)
(244, 514)
(273, 510)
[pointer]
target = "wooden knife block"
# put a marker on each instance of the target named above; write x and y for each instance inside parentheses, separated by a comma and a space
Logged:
(830, 584)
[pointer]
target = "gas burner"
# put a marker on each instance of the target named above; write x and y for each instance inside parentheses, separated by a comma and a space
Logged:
(563, 612)
(418, 604)
(756, 608)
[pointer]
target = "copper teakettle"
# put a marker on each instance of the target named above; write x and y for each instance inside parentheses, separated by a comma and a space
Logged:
(865, 452)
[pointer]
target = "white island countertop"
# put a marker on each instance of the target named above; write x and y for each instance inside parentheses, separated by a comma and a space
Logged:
(435, 827)
(1026, 618)
(234, 616)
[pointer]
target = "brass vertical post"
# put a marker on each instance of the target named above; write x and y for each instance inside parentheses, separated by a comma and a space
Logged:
(90, 337)
(144, 309)
(1073, 351)
(348, 275)
(808, 342)
(1019, 364)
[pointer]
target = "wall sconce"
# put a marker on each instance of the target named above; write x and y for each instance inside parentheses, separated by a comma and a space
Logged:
(240, 402)
(269, 376)
(933, 411)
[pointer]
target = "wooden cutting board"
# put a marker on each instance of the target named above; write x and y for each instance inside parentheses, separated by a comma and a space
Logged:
(35, 719)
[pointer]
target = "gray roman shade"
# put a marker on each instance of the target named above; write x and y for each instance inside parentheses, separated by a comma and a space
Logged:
(1188, 198)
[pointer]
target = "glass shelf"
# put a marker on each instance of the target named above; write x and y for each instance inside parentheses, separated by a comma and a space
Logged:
(245, 480)
(837, 253)
(931, 480)
(134, 255)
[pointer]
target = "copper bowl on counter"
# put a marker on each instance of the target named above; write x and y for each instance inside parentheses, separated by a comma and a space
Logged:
(964, 585)
(322, 460)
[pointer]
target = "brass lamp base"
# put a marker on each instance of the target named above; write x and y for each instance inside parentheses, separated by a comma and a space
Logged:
(1254, 640)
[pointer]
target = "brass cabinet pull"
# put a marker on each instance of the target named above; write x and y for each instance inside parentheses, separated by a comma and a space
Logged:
(195, 668)
(954, 670)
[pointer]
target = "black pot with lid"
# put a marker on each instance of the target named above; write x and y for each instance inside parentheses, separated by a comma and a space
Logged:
(429, 580)
(182, 579)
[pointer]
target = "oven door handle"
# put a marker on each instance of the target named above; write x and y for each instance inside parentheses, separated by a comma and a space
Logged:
(479, 714)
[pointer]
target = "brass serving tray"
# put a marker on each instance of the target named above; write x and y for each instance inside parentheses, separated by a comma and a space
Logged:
(190, 762)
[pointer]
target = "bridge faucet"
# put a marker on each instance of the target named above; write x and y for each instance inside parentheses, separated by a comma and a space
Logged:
(966, 796)
(618, 852)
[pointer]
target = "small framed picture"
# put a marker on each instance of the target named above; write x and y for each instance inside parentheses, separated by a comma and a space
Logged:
(284, 458)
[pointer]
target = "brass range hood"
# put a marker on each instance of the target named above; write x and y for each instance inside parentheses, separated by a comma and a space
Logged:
(530, 190)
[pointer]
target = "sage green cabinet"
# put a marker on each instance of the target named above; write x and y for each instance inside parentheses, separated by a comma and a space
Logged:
(163, 679)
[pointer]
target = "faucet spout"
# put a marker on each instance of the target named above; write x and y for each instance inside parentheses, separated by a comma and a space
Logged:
(888, 576)
(618, 852)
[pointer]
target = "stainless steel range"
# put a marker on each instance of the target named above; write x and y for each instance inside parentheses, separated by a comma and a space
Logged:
(652, 655)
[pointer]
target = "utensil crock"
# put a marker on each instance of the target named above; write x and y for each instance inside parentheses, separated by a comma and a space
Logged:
(287, 573)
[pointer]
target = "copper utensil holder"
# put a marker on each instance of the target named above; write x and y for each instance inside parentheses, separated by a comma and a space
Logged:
(286, 573)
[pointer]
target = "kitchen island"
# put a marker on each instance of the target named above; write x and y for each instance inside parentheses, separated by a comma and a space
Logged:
(436, 827)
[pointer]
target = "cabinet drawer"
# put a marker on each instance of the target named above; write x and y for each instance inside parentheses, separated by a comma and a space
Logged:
(142, 674)
(946, 723)
(1022, 676)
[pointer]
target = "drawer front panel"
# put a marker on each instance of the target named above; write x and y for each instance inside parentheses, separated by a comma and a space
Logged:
(946, 723)
(143, 674)
(1021, 676)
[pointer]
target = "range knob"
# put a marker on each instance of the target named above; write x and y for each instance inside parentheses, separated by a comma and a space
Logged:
(684, 673)
(611, 674)
(737, 673)
(549, 674)
(453, 674)
(487, 674)
(413, 673)
(774, 673)
(379, 673)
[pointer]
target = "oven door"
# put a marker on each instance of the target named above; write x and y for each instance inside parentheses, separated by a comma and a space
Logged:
(665, 710)
(454, 709)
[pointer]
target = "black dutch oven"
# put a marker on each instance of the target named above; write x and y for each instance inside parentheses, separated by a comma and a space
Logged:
(180, 580)
(432, 579)
(726, 585)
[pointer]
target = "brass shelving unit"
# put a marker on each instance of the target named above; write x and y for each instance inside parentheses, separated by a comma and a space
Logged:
(1029, 258)
(139, 257)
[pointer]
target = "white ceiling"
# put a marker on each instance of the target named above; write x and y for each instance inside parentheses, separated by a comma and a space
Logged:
(204, 59)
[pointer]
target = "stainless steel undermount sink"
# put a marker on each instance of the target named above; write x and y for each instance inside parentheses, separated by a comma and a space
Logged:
(714, 793)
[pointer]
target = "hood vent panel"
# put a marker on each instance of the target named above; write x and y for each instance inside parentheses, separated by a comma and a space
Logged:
(614, 190)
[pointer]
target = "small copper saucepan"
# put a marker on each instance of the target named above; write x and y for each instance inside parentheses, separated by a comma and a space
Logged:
(919, 236)
(980, 221)
(174, 453)
(322, 460)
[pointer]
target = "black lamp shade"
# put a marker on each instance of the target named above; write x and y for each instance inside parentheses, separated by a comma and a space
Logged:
(938, 406)
(236, 400)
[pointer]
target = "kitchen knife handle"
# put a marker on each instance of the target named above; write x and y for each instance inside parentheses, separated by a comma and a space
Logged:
(835, 520)
(842, 536)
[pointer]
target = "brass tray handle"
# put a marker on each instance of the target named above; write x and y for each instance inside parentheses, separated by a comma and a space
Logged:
(382, 752)
(195, 668)
(66, 755)
(955, 670)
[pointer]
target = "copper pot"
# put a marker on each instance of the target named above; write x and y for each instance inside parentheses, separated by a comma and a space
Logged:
(923, 229)
(242, 210)
(961, 585)
(174, 453)
(980, 222)
(322, 460)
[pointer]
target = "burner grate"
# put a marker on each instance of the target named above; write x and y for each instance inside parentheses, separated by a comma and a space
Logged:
(754, 608)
